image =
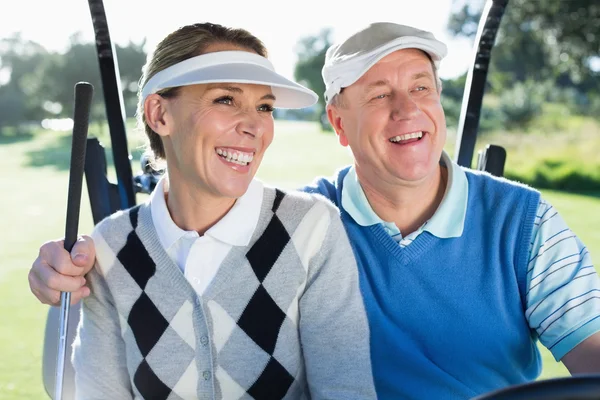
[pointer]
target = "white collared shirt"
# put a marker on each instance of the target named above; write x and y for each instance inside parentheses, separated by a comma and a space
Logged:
(199, 257)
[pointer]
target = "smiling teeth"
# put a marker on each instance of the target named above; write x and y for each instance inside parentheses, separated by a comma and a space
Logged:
(235, 156)
(414, 135)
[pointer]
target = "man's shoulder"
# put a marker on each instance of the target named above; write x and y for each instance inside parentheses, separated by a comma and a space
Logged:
(327, 186)
(502, 198)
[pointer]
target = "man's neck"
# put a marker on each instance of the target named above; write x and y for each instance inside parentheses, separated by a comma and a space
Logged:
(407, 206)
(193, 209)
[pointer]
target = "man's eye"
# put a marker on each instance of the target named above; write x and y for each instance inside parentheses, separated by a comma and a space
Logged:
(228, 100)
(266, 108)
(381, 96)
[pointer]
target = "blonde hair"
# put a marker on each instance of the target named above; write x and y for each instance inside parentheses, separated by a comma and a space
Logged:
(184, 43)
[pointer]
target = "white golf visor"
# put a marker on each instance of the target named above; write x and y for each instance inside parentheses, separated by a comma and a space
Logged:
(233, 67)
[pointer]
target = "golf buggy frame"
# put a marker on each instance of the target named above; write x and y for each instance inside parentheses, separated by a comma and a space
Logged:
(107, 197)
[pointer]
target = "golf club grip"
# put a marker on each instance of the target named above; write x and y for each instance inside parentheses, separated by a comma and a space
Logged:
(83, 102)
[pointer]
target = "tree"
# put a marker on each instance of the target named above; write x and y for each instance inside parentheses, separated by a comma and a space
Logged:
(19, 59)
(13, 109)
(57, 75)
(131, 58)
(41, 84)
(558, 38)
(311, 58)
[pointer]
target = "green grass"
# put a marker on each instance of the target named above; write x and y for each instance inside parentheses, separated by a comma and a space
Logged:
(299, 153)
(35, 177)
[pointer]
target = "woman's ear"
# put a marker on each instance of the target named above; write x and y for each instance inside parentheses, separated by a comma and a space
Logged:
(155, 112)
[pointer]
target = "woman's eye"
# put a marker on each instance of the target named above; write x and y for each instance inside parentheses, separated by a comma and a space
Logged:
(266, 108)
(228, 100)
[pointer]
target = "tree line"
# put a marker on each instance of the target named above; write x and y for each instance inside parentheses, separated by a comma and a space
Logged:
(544, 52)
(37, 84)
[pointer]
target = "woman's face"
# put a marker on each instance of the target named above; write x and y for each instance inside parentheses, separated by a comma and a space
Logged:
(216, 135)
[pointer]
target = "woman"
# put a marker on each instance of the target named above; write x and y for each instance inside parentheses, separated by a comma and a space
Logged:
(218, 286)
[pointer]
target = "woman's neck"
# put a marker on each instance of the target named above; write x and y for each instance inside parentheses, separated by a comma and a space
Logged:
(193, 209)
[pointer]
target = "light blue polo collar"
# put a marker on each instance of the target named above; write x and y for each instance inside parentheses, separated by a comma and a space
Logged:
(448, 220)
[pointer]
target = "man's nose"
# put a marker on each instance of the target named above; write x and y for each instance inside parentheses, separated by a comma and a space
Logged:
(404, 107)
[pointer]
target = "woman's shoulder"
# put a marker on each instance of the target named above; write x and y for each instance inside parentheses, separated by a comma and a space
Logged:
(120, 223)
(112, 234)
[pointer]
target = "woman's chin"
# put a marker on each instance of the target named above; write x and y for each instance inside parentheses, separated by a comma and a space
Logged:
(234, 188)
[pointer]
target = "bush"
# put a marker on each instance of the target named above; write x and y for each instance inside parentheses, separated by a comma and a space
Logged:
(566, 176)
(567, 172)
(594, 106)
(491, 117)
(521, 104)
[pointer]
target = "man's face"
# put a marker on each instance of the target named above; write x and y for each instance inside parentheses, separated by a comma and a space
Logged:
(393, 121)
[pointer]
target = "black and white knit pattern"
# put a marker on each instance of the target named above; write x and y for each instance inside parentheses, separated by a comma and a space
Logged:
(242, 338)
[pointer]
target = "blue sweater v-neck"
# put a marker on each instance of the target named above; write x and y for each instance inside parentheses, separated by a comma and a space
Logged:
(447, 314)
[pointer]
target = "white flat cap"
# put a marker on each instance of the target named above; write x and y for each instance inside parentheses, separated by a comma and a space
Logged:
(347, 61)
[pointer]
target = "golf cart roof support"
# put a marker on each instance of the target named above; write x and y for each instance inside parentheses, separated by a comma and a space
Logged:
(468, 122)
(113, 100)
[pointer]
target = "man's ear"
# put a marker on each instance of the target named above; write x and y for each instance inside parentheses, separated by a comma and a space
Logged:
(335, 119)
(155, 111)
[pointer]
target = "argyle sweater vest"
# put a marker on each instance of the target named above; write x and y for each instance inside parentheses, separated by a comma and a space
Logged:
(282, 319)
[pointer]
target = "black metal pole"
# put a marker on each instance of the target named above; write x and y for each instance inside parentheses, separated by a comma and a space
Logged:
(468, 123)
(113, 99)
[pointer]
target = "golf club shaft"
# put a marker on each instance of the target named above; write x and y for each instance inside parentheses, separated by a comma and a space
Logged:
(83, 101)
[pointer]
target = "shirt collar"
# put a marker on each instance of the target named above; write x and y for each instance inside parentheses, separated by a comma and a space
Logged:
(235, 228)
(238, 225)
(166, 229)
(448, 220)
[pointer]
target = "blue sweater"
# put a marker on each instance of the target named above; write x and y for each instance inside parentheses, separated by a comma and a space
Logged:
(447, 315)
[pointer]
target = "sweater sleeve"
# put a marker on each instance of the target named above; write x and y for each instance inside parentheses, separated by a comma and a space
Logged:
(99, 358)
(333, 324)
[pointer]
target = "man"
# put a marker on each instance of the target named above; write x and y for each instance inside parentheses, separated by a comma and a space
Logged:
(461, 272)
